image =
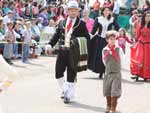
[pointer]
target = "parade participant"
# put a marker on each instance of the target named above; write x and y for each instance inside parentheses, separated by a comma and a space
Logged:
(122, 39)
(101, 25)
(10, 39)
(134, 22)
(140, 62)
(112, 58)
(69, 29)
(89, 22)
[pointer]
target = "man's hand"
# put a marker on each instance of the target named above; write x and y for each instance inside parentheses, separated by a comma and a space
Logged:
(48, 49)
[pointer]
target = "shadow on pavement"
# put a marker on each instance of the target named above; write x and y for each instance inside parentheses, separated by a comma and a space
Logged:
(92, 78)
(91, 108)
(140, 82)
(19, 66)
(34, 64)
(84, 106)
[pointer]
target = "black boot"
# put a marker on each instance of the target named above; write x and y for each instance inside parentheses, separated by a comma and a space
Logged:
(101, 76)
(137, 79)
(133, 77)
(113, 104)
(108, 98)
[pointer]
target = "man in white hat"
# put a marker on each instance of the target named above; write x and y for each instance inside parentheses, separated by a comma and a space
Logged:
(68, 30)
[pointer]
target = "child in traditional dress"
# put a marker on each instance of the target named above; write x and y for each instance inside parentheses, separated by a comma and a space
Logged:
(122, 39)
(112, 57)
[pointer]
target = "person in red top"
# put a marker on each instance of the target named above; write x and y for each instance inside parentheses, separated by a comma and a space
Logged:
(96, 8)
(122, 39)
(134, 21)
(60, 14)
(140, 62)
(19, 7)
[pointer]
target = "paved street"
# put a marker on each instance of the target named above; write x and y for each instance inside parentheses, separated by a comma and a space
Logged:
(37, 91)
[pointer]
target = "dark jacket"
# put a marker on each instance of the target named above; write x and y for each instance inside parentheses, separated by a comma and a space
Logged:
(79, 30)
(98, 26)
(98, 42)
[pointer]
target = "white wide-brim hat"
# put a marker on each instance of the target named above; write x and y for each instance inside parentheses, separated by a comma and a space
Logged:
(73, 5)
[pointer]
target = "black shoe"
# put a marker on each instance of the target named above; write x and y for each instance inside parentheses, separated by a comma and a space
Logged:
(101, 76)
(66, 100)
(133, 77)
(137, 79)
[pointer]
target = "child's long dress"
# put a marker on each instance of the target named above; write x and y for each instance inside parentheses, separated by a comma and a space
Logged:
(140, 56)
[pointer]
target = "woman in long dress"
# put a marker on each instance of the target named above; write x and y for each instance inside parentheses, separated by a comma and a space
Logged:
(101, 25)
(140, 62)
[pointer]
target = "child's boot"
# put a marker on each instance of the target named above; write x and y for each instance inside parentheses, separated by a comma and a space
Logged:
(113, 104)
(108, 99)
